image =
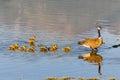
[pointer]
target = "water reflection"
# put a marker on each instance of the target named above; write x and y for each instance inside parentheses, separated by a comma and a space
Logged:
(93, 57)
(53, 21)
(69, 17)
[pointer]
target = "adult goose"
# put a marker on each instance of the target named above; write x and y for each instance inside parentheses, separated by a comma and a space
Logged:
(93, 43)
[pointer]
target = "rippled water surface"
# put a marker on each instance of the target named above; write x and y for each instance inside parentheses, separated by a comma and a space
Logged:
(61, 22)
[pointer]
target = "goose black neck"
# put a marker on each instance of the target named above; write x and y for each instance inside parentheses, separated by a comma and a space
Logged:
(99, 35)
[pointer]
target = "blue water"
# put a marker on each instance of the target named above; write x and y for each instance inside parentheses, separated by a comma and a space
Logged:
(62, 22)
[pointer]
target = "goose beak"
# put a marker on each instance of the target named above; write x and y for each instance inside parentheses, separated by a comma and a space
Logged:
(79, 42)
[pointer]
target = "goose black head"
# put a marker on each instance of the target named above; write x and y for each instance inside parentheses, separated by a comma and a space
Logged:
(99, 27)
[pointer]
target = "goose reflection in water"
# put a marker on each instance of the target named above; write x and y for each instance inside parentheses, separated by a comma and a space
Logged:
(93, 57)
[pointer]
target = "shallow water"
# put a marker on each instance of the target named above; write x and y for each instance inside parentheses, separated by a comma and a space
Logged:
(62, 22)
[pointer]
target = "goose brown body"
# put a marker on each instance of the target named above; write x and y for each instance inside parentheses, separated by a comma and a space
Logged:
(92, 42)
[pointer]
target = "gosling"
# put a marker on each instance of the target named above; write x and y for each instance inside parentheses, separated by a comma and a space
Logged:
(32, 39)
(43, 49)
(66, 49)
(23, 48)
(53, 48)
(31, 49)
(13, 47)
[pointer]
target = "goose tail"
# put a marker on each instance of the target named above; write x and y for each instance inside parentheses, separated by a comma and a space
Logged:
(80, 42)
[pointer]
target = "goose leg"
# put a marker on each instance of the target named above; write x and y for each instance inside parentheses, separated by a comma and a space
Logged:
(99, 69)
(94, 50)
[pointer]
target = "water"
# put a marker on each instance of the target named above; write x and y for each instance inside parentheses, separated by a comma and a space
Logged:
(62, 22)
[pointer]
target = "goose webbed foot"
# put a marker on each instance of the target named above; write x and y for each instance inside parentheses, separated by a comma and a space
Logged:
(94, 50)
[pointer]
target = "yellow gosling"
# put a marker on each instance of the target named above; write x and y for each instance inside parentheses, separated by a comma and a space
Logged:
(11, 47)
(23, 48)
(54, 78)
(66, 49)
(16, 46)
(93, 43)
(32, 49)
(43, 49)
(32, 39)
(31, 44)
(53, 48)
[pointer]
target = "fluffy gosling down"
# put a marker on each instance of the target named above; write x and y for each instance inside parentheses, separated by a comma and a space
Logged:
(53, 48)
(32, 39)
(23, 48)
(31, 49)
(13, 47)
(43, 49)
(66, 49)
